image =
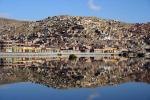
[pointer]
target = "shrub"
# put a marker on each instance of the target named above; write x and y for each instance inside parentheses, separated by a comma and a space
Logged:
(125, 54)
(59, 54)
(140, 55)
(72, 57)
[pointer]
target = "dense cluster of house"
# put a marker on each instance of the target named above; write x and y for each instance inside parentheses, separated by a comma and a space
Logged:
(28, 47)
(80, 34)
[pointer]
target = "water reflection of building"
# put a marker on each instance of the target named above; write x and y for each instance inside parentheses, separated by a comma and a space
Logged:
(62, 73)
(21, 61)
(24, 62)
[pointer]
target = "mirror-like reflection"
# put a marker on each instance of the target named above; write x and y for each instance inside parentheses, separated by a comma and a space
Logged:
(62, 73)
(31, 91)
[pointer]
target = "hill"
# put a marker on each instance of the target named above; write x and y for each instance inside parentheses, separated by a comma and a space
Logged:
(69, 31)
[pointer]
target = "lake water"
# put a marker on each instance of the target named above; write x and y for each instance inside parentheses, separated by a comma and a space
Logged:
(31, 91)
(103, 78)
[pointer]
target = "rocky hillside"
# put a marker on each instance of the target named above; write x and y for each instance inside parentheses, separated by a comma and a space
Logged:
(68, 31)
(10, 25)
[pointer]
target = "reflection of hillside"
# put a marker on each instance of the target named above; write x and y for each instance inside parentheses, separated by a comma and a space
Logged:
(25, 62)
(85, 72)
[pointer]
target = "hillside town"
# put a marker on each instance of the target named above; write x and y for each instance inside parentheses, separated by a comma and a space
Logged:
(73, 34)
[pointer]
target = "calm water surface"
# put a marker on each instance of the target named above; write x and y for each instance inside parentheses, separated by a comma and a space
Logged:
(30, 91)
(81, 79)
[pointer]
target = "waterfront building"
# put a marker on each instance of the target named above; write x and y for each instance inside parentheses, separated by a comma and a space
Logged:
(106, 50)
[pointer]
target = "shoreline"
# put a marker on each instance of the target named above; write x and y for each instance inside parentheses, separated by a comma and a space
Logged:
(57, 54)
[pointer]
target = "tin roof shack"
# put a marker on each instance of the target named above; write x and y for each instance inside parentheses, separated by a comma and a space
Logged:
(106, 50)
(84, 49)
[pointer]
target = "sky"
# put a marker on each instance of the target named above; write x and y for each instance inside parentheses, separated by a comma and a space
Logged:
(131, 11)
